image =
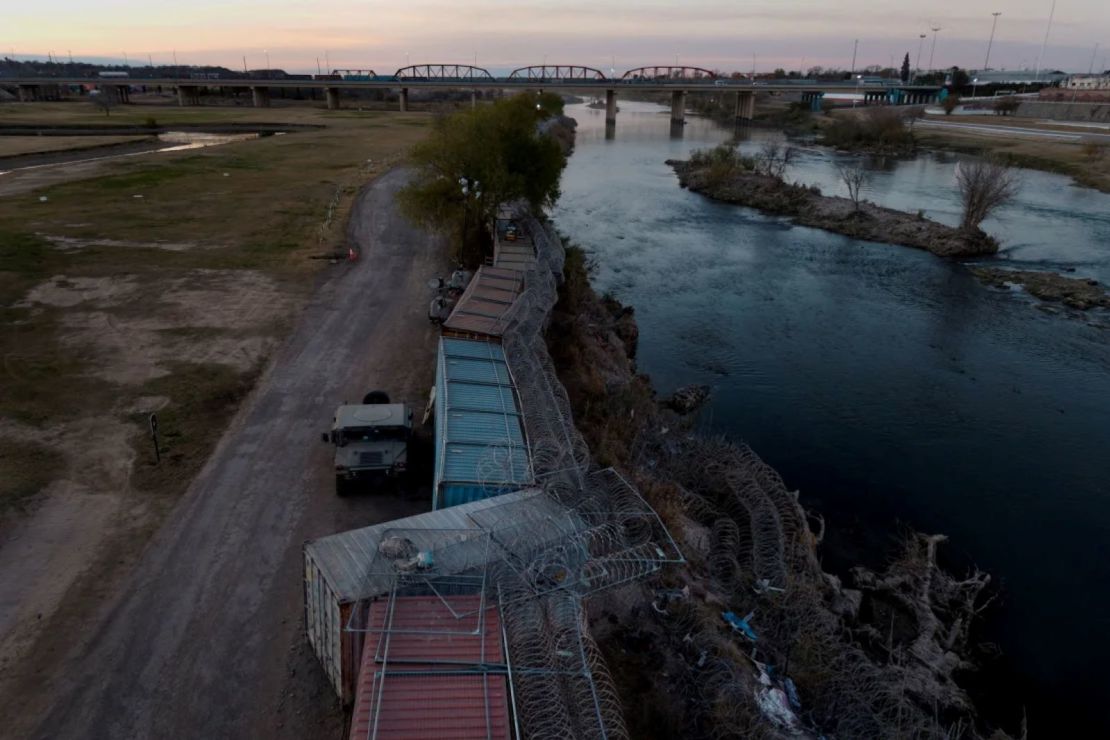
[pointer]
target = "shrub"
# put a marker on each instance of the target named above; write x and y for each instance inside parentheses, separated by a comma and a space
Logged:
(879, 128)
(722, 163)
(1006, 106)
(1092, 149)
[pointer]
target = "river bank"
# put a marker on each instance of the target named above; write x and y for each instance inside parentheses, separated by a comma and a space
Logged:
(847, 656)
(807, 206)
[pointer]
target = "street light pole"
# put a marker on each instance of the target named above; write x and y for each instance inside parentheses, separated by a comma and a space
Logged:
(267, 52)
(917, 62)
(935, 29)
(1044, 44)
(994, 23)
(855, 48)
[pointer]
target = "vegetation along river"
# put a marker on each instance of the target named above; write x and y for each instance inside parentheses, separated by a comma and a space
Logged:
(886, 384)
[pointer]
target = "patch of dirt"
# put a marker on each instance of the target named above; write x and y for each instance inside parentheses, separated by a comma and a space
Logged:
(134, 330)
(42, 554)
(69, 243)
(66, 292)
(41, 558)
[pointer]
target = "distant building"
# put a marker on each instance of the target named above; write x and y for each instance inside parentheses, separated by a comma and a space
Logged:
(1018, 77)
(1089, 82)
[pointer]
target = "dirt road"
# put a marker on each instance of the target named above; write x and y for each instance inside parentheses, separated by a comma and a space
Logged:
(206, 639)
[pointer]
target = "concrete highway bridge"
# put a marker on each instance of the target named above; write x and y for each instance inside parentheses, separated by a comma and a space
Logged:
(678, 80)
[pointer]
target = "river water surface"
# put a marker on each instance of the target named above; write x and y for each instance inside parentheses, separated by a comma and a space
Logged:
(885, 384)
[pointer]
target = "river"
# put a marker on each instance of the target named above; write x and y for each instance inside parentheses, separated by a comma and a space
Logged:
(887, 385)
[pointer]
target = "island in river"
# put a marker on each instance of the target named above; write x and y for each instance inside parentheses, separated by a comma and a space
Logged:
(808, 207)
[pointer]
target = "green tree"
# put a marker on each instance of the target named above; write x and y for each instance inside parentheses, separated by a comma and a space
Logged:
(906, 68)
(475, 160)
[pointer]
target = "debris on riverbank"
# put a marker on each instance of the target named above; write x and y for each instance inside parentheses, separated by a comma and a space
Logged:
(752, 638)
(1077, 293)
(736, 182)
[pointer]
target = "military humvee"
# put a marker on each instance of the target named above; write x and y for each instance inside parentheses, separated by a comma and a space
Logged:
(371, 441)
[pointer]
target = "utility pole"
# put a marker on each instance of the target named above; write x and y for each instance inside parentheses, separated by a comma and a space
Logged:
(150, 59)
(855, 48)
(935, 29)
(1090, 69)
(245, 65)
(1044, 44)
(176, 69)
(318, 66)
(267, 52)
(994, 24)
(917, 62)
(327, 62)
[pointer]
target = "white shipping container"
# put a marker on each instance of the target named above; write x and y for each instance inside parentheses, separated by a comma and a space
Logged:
(340, 579)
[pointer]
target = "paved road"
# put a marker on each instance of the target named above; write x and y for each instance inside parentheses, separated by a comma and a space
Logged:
(207, 640)
(987, 129)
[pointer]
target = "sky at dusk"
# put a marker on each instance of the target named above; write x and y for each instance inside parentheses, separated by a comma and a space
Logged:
(500, 35)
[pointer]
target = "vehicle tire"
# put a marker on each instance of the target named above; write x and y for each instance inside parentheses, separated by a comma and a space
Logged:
(374, 397)
(342, 486)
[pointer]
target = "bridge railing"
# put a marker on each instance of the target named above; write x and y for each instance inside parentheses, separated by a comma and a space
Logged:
(668, 72)
(429, 72)
(556, 73)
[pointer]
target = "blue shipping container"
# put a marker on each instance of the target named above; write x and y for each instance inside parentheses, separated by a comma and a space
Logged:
(481, 448)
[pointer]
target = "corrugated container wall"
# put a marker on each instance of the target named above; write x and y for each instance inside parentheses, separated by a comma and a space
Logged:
(481, 450)
(340, 574)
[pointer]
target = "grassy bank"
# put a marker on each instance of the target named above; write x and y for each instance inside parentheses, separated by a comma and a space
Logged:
(1088, 166)
(161, 282)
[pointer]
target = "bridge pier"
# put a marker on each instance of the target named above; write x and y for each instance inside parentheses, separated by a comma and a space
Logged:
(678, 107)
(404, 99)
(610, 107)
(260, 97)
(121, 93)
(28, 93)
(188, 95)
(745, 107)
(814, 99)
(473, 98)
(332, 95)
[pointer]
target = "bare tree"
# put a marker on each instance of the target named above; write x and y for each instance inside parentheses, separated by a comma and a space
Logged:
(104, 99)
(985, 184)
(855, 177)
(774, 158)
